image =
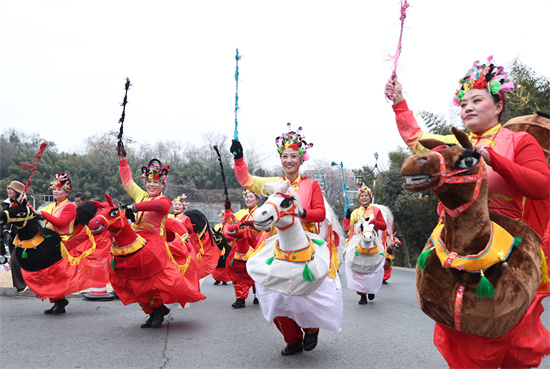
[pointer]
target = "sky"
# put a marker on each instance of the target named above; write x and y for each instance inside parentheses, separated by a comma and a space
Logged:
(321, 65)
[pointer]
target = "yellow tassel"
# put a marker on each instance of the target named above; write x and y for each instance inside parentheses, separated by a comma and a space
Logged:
(76, 260)
(201, 252)
(182, 268)
(544, 278)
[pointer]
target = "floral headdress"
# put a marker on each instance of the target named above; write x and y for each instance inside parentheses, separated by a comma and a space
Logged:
(61, 181)
(155, 170)
(483, 76)
(181, 199)
(364, 189)
(245, 191)
(295, 141)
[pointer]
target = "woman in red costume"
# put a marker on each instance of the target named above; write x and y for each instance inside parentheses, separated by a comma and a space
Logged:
(292, 149)
(221, 273)
(152, 209)
(519, 177)
(251, 202)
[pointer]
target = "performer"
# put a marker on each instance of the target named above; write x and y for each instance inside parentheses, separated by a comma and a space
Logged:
(221, 273)
(251, 202)
(292, 149)
(371, 212)
(517, 172)
(152, 209)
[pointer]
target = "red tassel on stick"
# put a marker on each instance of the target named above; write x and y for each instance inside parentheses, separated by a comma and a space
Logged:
(43, 144)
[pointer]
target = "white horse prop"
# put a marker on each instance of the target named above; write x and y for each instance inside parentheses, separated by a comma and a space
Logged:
(292, 268)
(365, 256)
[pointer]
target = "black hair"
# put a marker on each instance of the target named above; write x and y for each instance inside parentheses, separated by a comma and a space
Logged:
(81, 195)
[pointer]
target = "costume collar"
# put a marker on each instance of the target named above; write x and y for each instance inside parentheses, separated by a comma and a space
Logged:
(296, 256)
(28, 244)
(475, 137)
(373, 250)
(296, 180)
(498, 248)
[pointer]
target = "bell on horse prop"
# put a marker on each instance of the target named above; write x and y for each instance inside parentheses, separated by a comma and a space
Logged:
(51, 267)
(364, 261)
(479, 272)
(143, 269)
(292, 269)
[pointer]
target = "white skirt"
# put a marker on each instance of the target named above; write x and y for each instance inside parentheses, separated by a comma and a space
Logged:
(322, 308)
(365, 282)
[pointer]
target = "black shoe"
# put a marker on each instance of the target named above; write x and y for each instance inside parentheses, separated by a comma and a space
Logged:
(106, 297)
(292, 348)
(58, 307)
(363, 300)
(224, 283)
(147, 323)
(371, 296)
(256, 302)
(384, 282)
(238, 304)
(310, 341)
(216, 283)
(158, 316)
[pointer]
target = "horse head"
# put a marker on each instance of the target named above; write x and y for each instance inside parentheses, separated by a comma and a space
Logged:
(367, 233)
(281, 208)
(108, 218)
(237, 231)
(21, 216)
(445, 166)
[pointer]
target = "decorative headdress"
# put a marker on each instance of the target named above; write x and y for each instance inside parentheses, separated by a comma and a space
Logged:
(245, 191)
(364, 189)
(181, 199)
(61, 181)
(295, 141)
(155, 170)
(483, 76)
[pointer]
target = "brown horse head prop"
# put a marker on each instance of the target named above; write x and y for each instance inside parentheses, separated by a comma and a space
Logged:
(479, 271)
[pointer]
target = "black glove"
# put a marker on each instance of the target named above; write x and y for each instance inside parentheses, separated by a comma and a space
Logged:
(227, 203)
(303, 213)
(348, 213)
(129, 212)
(121, 151)
(236, 149)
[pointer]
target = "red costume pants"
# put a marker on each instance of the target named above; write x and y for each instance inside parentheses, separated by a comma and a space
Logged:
(291, 331)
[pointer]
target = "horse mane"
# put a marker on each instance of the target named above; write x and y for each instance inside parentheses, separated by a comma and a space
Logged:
(201, 225)
(388, 217)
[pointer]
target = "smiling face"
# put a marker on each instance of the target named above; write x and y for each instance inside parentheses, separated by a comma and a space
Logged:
(12, 194)
(250, 200)
(291, 160)
(177, 207)
(59, 194)
(153, 187)
(364, 199)
(479, 111)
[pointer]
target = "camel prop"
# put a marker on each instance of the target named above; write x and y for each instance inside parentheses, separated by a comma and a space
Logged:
(52, 267)
(479, 271)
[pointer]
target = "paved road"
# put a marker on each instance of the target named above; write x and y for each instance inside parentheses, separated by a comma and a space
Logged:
(390, 332)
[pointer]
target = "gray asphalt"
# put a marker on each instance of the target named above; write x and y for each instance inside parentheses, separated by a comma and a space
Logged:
(389, 332)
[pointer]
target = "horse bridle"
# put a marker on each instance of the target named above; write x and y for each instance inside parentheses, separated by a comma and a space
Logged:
(30, 215)
(281, 214)
(120, 217)
(452, 178)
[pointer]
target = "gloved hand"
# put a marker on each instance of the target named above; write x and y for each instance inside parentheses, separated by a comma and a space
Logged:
(121, 151)
(236, 149)
(227, 203)
(129, 211)
(348, 213)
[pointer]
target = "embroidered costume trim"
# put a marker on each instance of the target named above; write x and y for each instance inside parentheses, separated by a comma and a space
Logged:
(296, 256)
(129, 249)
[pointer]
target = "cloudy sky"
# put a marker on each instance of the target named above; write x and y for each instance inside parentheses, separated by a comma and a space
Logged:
(317, 64)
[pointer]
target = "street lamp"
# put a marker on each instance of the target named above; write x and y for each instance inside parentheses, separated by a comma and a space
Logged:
(344, 185)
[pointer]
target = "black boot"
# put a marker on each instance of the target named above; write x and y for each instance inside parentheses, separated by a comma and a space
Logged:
(58, 307)
(363, 300)
(147, 323)
(310, 341)
(255, 302)
(292, 348)
(371, 296)
(158, 316)
(384, 282)
(224, 283)
(216, 283)
(238, 304)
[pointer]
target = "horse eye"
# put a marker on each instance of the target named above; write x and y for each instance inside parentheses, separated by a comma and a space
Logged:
(286, 203)
(21, 214)
(467, 162)
(242, 226)
(114, 212)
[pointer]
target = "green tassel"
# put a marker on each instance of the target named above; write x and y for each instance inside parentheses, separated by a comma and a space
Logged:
(308, 274)
(421, 261)
(356, 253)
(113, 263)
(47, 235)
(392, 263)
(317, 241)
(517, 241)
(270, 260)
(485, 288)
(24, 254)
(232, 260)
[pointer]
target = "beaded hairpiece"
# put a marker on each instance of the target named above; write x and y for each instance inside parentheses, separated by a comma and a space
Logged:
(295, 141)
(155, 170)
(483, 76)
(245, 191)
(182, 199)
(61, 181)
(364, 189)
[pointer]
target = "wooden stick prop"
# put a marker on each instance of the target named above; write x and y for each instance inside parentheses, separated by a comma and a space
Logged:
(223, 174)
(391, 93)
(43, 144)
(120, 144)
(237, 58)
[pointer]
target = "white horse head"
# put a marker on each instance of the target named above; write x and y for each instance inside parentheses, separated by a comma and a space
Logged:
(367, 233)
(281, 208)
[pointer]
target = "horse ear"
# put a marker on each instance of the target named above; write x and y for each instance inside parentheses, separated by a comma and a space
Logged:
(285, 186)
(270, 187)
(362, 219)
(109, 200)
(462, 138)
(430, 143)
(99, 204)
